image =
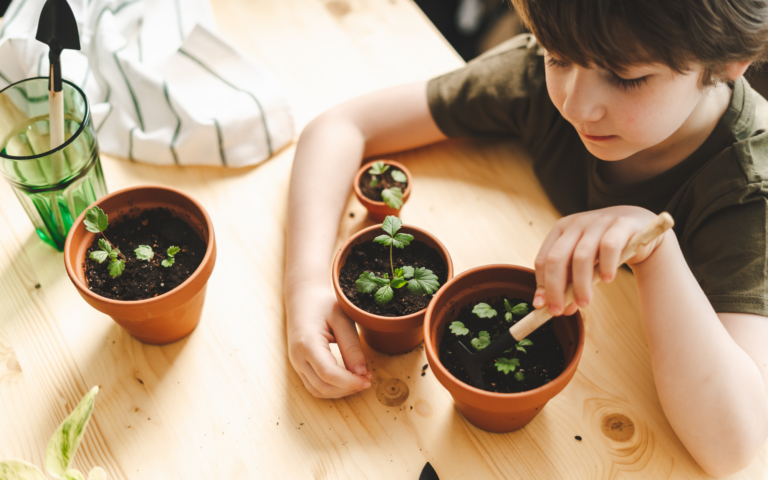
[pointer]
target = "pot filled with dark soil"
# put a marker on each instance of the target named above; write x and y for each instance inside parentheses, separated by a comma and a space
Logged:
(143, 256)
(386, 287)
(474, 308)
(382, 186)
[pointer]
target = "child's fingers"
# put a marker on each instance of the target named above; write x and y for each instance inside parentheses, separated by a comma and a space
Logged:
(613, 242)
(556, 270)
(333, 378)
(571, 309)
(583, 262)
(349, 342)
(321, 389)
(540, 263)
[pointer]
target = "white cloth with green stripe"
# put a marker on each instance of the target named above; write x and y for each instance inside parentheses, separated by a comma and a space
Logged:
(164, 87)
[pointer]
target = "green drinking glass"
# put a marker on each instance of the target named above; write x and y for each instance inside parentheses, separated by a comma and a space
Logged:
(53, 185)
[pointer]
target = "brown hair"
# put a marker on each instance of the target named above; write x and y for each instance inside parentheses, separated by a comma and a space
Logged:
(617, 33)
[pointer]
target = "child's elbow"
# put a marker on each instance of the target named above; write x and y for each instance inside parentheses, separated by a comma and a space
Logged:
(731, 457)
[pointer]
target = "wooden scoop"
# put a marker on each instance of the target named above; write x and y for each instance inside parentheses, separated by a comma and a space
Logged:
(472, 362)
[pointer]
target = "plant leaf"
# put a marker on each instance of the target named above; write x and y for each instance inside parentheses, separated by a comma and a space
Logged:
(401, 240)
(520, 309)
(407, 272)
(116, 267)
(393, 197)
(374, 182)
(104, 245)
(173, 250)
(458, 328)
(365, 283)
(483, 310)
(398, 282)
(507, 306)
(391, 225)
(398, 176)
(507, 365)
(508, 316)
(73, 474)
(522, 349)
(95, 220)
(385, 240)
(482, 340)
(519, 376)
(97, 473)
(378, 168)
(384, 295)
(98, 255)
(168, 262)
(144, 252)
(525, 342)
(19, 470)
(423, 282)
(65, 440)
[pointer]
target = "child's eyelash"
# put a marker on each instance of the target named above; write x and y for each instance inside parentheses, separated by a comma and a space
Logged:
(626, 84)
(631, 83)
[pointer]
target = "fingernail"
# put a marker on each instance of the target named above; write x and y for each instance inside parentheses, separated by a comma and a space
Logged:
(582, 302)
(554, 310)
(369, 375)
(538, 301)
(366, 385)
(360, 369)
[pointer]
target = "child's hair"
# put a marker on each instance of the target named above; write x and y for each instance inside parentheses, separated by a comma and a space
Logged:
(617, 33)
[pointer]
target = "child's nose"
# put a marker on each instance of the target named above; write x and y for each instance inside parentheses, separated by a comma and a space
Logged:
(583, 99)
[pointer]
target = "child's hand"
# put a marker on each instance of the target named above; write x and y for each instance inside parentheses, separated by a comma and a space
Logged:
(316, 320)
(576, 243)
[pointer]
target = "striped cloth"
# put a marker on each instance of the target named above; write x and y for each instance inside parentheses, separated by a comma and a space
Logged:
(164, 87)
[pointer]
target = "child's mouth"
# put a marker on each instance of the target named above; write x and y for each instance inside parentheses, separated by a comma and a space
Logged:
(597, 138)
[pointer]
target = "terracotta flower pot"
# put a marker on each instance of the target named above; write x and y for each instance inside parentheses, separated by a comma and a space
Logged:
(497, 412)
(167, 317)
(378, 210)
(392, 335)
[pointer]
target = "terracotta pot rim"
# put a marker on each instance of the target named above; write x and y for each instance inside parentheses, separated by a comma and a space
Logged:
(209, 250)
(337, 269)
(364, 168)
(569, 370)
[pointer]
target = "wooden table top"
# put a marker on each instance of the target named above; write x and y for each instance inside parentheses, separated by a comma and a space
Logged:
(225, 401)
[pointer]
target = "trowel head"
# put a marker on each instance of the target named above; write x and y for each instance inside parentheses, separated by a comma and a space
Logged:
(57, 27)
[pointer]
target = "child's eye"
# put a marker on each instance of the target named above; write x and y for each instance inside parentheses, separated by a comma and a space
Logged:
(555, 63)
(628, 83)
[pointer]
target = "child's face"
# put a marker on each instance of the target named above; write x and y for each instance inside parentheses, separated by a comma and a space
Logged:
(619, 115)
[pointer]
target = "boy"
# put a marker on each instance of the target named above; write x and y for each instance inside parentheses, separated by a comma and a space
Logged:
(628, 109)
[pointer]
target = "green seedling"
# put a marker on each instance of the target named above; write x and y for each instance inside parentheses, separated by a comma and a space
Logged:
(483, 340)
(507, 365)
(458, 328)
(97, 221)
(420, 281)
(483, 310)
(520, 309)
(61, 449)
(392, 196)
(172, 251)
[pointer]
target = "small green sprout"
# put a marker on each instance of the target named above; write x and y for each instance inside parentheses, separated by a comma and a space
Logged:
(507, 365)
(392, 196)
(458, 328)
(483, 340)
(172, 251)
(144, 252)
(96, 221)
(519, 309)
(483, 310)
(420, 281)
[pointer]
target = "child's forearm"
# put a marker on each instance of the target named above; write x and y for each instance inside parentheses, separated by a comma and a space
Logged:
(711, 390)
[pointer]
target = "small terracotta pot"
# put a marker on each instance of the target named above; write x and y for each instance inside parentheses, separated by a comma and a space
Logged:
(167, 317)
(392, 335)
(497, 412)
(379, 210)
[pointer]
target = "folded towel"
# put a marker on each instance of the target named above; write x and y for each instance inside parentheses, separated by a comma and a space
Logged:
(164, 87)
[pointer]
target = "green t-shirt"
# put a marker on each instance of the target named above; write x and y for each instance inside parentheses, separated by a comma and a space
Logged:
(718, 196)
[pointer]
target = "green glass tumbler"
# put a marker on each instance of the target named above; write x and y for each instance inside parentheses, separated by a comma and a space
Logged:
(53, 185)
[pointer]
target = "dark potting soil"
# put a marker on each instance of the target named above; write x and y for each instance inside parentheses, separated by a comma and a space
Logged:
(542, 363)
(158, 228)
(373, 257)
(385, 181)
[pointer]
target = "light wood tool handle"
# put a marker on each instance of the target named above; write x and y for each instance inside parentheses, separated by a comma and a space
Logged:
(539, 317)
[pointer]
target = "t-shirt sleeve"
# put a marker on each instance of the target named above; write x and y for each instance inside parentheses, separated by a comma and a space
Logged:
(500, 94)
(728, 254)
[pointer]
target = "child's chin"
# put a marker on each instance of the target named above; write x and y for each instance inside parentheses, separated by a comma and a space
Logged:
(607, 154)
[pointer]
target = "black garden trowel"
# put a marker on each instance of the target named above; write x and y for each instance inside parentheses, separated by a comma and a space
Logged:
(473, 362)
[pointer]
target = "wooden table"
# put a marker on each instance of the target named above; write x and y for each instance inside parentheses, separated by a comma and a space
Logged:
(225, 403)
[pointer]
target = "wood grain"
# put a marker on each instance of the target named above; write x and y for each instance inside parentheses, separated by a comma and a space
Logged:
(225, 402)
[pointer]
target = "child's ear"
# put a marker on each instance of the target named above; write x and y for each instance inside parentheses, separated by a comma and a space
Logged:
(736, 70)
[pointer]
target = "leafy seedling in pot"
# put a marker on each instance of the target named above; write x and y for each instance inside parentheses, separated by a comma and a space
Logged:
(420, 281)
(507, 365)
(392, 196)
(97, 221)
